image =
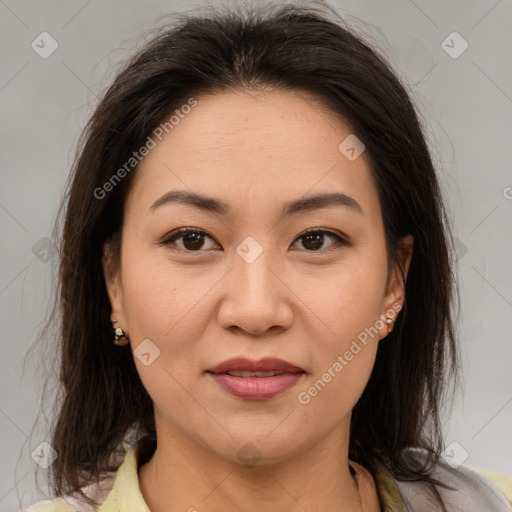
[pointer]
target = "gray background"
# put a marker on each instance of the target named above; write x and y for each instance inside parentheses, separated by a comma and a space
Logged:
(466, 103)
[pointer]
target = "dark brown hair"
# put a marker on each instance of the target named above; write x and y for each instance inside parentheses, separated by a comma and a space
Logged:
(287, 47)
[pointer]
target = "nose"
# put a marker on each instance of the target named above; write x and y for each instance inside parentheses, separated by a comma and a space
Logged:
(256, 298)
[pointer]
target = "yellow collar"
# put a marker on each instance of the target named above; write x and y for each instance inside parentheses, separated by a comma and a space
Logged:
(126, 496)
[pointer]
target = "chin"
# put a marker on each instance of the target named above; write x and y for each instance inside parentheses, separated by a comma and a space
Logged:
(254, 449)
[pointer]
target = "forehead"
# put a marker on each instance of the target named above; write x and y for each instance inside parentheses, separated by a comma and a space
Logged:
(262, 147)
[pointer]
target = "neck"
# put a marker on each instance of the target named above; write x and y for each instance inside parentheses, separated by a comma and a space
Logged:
(183, 476)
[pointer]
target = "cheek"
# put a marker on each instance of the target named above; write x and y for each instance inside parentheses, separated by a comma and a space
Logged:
(163, 307)
(349, 300)
(349, 307)
(160, 300)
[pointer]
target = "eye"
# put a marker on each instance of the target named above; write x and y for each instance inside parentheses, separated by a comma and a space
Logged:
(313, 239)
(191, 238)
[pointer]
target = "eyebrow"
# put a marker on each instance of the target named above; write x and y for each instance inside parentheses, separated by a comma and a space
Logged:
(305, 204)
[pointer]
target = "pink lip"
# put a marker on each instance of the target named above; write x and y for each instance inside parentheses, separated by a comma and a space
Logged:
(256, 388)
(267, 364)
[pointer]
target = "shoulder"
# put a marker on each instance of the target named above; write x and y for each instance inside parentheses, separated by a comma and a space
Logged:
(470, 491)
(105, 492)
(56, 505)
(97, 491)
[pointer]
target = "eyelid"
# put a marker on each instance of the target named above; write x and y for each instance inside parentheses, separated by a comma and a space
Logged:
(174, 235)
(340, 239)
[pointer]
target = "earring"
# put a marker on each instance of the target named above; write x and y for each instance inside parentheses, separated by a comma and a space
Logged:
(120, 338)
(390, 323)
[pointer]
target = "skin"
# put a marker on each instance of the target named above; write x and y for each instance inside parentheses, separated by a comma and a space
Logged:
(254, 151)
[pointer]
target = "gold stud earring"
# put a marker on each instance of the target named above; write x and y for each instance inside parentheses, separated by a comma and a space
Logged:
(390, 323)
(120, 338)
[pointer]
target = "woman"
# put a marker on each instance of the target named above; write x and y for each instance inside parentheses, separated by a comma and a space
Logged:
(256, 284)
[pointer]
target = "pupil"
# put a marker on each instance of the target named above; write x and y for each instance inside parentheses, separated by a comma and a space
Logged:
(195, 239)
(316, 239)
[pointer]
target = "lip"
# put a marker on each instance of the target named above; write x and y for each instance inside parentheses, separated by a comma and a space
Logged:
(267, 364)
(256, 388)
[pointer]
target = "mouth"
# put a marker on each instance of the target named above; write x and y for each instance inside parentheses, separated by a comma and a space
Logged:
(267, 365)
(256, 380)
(247, 373)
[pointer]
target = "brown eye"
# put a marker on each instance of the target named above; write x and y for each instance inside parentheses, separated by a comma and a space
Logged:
(313, 240)
(192, 239)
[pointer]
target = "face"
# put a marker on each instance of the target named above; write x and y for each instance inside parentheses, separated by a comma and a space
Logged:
(251, 282)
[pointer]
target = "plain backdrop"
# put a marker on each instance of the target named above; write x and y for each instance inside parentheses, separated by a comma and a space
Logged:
(465, 98)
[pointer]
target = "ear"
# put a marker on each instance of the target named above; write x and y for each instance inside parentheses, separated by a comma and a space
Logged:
(395, 292)
(112, 275)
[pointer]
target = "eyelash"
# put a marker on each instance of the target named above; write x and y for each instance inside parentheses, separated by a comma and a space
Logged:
(178, 234)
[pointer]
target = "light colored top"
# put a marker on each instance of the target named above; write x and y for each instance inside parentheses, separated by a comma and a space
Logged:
(120, 492)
